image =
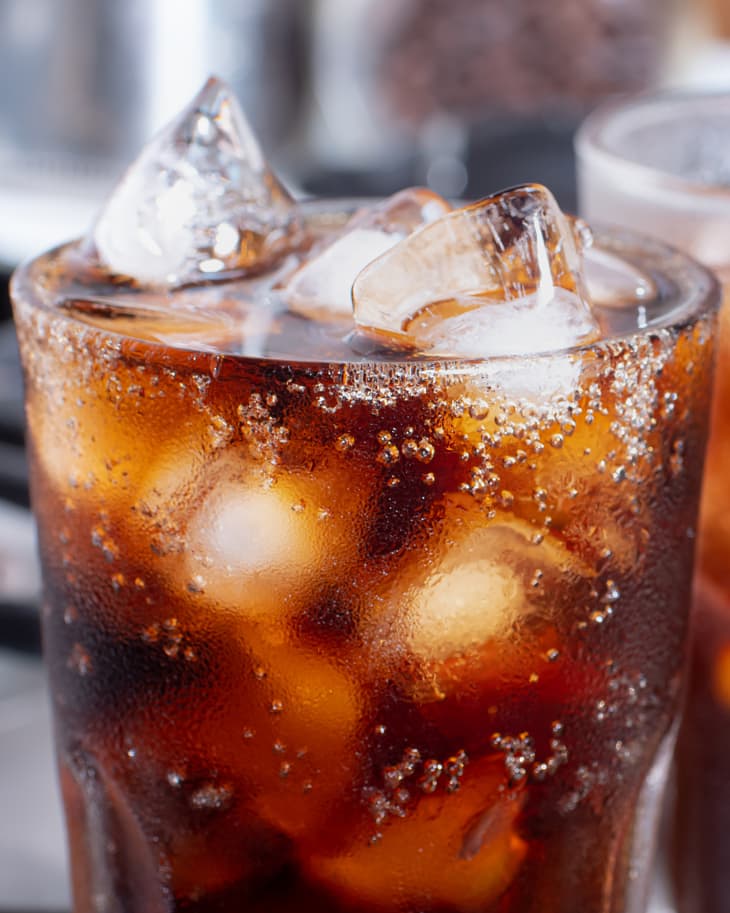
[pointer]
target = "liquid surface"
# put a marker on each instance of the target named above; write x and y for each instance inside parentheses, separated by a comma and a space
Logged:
(254, 317)
(347, 634)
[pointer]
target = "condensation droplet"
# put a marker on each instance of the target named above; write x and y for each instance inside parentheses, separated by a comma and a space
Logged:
(388, 455)
(276, 706)
(506, 498)
(197, 584)
(79, 660)
(118, 581)
(409, 448)
(479, 410)
(676, 459)
(426, 451)
(151, 634)
(344, 442)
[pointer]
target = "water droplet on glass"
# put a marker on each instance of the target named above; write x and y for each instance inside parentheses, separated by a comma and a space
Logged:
(344, 442)
(426, 451)
(388, 455)
(79, 660)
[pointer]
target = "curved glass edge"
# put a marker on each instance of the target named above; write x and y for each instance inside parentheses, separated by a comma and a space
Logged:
(698, 294)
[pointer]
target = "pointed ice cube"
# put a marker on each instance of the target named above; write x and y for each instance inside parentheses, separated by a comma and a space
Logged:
(322, 287)
(502, 276)
(199, 200)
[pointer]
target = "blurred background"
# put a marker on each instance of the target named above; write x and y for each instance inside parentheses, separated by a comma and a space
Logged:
(348, 97)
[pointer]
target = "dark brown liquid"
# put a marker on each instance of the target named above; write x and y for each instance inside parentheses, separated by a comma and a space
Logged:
(702, 845)
(363, 636)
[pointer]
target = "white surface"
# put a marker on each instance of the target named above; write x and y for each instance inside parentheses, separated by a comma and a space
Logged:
(34, 218)
(19, 569)
(32, 837)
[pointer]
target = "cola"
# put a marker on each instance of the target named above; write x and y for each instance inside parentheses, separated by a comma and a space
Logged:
(348, 613)
(700, 848)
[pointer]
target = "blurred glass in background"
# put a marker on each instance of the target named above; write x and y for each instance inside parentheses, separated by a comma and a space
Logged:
(460, 90)
(356, 97)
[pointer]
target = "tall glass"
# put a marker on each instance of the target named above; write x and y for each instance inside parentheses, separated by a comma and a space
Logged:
(661, 164)
(346, 633)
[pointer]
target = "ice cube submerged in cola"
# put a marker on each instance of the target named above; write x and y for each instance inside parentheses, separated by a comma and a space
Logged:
(367, 536)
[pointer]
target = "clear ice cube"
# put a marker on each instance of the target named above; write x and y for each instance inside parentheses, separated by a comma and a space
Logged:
(500, 277)
(322, 286)
(200, 200)
(404, 212)
(252, 544)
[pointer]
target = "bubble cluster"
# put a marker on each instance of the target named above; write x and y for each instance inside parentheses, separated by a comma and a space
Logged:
(520, 757)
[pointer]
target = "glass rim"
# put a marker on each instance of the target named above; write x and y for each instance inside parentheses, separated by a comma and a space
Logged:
(698, 294)
(592, 141)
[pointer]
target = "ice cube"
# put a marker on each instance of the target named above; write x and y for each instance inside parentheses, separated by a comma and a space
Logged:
(481, 585)
(302, 758)
(256, 546)
(455, 850)
(481, 588)
(404, 212)
(500, 277)
(322, 287)
(199, 200)
(468, 598)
